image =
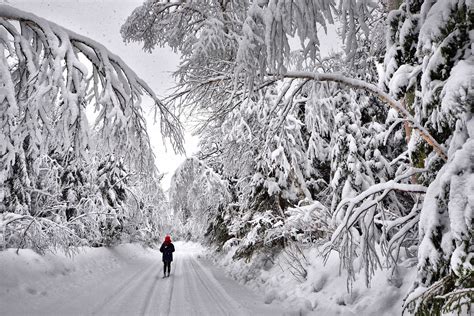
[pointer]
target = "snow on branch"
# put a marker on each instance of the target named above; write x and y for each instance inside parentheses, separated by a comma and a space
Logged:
(49, 67)
(360, 84)
(39, 233)
(366, 201)
(196, 190)
(356, 217)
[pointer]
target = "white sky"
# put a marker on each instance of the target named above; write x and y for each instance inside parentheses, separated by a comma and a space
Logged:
(101, 20)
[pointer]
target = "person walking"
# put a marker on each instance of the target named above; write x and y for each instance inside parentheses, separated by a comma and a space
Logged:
(167, 248)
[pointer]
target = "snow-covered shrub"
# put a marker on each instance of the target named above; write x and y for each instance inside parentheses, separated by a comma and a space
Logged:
(296, 261)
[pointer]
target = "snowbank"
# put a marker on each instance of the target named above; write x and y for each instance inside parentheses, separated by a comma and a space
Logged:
(33, 274)
(324, 289)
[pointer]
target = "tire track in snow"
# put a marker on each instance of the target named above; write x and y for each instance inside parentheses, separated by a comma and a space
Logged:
(218, 294)
(132, 285)
(145, 310)
(187, 297)
(154, 306)
(191, 287)
(217, 303)
(169, 290)
(121, 288)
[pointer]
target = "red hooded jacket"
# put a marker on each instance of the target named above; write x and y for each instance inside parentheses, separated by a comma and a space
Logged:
(167, 248)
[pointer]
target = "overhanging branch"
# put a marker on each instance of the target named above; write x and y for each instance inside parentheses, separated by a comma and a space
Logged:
(360, 84)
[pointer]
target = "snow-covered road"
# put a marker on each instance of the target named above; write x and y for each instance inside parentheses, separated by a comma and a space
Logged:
(133, 287)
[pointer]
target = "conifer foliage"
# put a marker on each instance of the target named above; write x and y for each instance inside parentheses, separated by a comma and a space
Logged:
(430, 65)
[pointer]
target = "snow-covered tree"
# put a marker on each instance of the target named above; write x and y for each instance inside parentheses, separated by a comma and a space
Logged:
(52, 83)
(196, 194)
(230, 47)
(445, 271)
(429, 64)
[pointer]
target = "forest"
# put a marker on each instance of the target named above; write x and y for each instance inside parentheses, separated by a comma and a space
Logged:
(366, 152)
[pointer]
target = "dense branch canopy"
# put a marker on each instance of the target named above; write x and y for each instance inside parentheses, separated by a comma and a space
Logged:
(51, 76)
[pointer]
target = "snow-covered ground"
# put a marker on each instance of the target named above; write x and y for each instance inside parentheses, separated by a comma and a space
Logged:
(324, 289)
(127, 280)
(124, 280)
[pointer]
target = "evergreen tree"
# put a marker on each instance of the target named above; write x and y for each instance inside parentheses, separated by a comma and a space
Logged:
(431, 72)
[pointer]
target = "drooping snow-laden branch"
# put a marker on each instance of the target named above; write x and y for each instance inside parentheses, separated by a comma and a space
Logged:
(360, 84)
(48, 68)
(38, 233)
(353, 213)
(359, 213)
(360, 204)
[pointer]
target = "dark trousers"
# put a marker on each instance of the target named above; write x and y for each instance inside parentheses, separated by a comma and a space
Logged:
(167, 265)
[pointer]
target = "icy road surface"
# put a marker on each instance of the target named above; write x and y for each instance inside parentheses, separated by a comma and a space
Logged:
(117, 283)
